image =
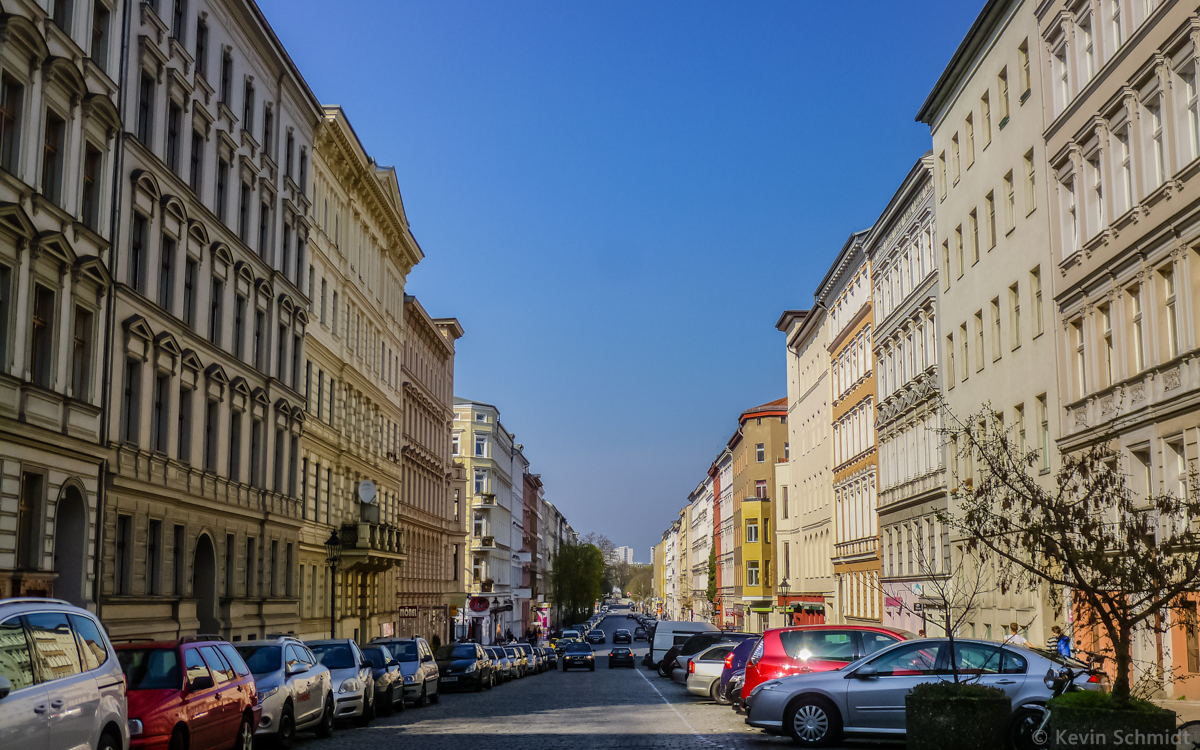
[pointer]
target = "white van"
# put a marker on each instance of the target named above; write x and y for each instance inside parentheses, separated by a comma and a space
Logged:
(670, 633)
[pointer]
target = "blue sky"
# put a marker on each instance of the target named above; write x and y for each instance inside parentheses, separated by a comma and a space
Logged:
(618, 199)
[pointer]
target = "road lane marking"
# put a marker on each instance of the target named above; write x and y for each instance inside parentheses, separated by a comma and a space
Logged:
(692, 729)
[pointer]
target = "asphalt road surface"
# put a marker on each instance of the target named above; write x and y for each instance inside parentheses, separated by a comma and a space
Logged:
(610, 708)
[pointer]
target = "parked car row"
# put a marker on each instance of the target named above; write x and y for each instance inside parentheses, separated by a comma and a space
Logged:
(820, 683)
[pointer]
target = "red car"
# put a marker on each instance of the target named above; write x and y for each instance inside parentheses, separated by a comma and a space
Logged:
(814, 648)
(191, 694)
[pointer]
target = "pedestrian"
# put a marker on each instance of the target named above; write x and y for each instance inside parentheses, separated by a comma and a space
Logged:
(921, 633)
(435, 641)
(1060, 642)
(1014, 638)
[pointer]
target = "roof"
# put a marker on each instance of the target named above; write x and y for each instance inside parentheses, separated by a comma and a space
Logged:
(776, 405)
(839, 264)
(785, 320)
(975, 39)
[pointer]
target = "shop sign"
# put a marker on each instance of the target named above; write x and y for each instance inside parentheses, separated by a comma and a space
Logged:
(479, 604)
(408, 613)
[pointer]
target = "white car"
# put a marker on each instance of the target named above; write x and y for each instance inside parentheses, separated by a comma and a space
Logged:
(294, 689)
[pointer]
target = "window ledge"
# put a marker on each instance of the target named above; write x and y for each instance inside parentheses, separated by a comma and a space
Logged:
(1003, 122)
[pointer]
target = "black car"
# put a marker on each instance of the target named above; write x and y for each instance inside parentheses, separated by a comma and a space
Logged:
(622, 636)
(595, 636)
(549, 657)
(463, 665)
(620, 657)
(578, 655)
(389, 682)
(694, 645)
(639, 633)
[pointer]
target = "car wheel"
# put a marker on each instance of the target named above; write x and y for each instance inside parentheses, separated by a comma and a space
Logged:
(437, 694)
(388, 707)
(1025, 722)
(424, 699)
(108, 742)
(325, 728)
(286, 736)
(245, 735)
(662, 669)
(368, 713)
(813, 722)
(399, 704)
(179, 739)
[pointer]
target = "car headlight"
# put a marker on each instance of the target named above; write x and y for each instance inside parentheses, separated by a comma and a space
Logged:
(350, 686)
(470, 668)
(135, 727)
(589, 656)
(264, 694)
(408, 678)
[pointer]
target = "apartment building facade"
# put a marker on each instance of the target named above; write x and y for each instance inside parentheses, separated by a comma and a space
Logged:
(845, 293)
(1122, 141)
(210, 311)
(995, 277)
(804, 533)
(721, 473)
(58, 145)
(912, 482)
(700, 534)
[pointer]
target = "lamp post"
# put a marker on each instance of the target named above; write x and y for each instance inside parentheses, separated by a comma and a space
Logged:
(784, 589)
(333, 555)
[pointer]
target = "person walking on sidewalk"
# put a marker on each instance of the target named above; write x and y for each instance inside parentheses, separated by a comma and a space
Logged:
(1014, 638)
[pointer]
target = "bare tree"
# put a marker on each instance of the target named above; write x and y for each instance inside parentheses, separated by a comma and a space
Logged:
(1121, 558)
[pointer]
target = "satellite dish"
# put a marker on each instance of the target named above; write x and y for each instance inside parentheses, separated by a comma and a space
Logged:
(366, 492)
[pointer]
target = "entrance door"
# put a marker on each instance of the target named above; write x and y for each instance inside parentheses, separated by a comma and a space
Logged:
(70, 547)
(204, 585)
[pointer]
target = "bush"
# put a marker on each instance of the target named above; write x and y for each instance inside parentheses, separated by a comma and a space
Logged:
(944, 690)
(1092, 699)
(957, 716)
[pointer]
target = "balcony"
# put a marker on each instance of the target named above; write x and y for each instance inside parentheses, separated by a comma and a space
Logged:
(371, 547)
(485, 500)
(483, 542)
(855, 548)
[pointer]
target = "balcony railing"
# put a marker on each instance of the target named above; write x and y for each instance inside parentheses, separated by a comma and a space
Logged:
(486, 542)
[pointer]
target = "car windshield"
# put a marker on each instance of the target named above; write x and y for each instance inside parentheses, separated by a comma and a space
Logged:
(151, 668)
(261, 659)
(375, 656)
(455, 651)
(404, 650)
(510, 652)
(334, 655)
(578, 648)
(620, 652)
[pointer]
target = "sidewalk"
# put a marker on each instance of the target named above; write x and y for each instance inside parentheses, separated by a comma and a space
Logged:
(1186, 710)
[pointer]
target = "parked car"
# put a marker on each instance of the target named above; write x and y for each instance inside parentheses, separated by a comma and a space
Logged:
(350, 671)
(668, 634)
(533, 659)
(622, 635)
(620, 657)
(196, 691)
(735, 663)
(549, 658)
(704, 670)
(866, 698)
(579, 655)
(53, 653)
(389, 680)
(814, 648)
(520, 663)
(418, 666)
(733, 688)
(294, 689)
(694, 645)
(571, 635)
(501, 664)
(464, 665)
(639, 633)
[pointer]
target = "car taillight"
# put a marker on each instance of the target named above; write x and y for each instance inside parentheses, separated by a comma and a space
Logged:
(757, 654)
(1094, 678)
(729, 661)
(691, 667)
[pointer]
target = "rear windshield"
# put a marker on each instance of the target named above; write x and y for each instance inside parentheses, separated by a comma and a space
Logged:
(697, 642)
(1057, 658)
(620, 652)
(456, 651)
(334, 655)
(578, 648)
(510, 652)
(261, 659)
(818, 644)
(404, 650)
(151, 668)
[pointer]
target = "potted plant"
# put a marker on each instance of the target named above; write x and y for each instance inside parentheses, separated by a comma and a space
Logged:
(957, 716)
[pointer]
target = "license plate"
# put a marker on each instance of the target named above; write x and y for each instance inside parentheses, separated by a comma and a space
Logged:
(449, 679)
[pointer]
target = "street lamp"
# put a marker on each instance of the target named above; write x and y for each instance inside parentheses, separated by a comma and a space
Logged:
(784, 589)
(333, 555)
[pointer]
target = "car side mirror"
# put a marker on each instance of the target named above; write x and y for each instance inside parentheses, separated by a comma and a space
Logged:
(200, 683)
(297, 668)
(365, 664)
(393, 663)
(5, 687)
(866, 672)
(427, 657)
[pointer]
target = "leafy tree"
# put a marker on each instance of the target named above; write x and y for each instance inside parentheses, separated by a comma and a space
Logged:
(712, 575)
(1125, 559)
(575, 580)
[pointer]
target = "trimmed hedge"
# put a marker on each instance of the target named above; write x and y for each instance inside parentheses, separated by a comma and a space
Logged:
(957, 716)
(1086, 720)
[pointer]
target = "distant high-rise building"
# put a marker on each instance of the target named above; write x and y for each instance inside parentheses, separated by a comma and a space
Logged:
(623, 554)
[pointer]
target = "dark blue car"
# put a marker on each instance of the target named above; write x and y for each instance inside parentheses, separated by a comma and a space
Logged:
(736, 662)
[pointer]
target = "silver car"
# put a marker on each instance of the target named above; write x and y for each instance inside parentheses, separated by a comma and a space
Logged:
(61, 685)
(353, 681)
(704, 670)
(295, 690)
(421, 673)
(501, 664)
(866, 697)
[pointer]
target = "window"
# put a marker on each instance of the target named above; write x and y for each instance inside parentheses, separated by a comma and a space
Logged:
(81, 354)
(1096, 200)
(235, 446)
(995, 329)
(174, 115)
(1071, 228)
(166, 274)
(480, 481)
(979, 353)
(1035, 282)
(454, 445)
(214, 311)
(954, 157)
(145, 120)
(137, 252)
(303, 170)
(752, 573)
(1156, 156)
(41, 345)
(973, 222)
(244, 213)
(1125, 190)
(941, 166)
(287, 154)
(334, 322)
(985, 118)
(1080, 370)
(177, 549)
(759, 453)
(281, 354)
(1118, 32)
(989, 202)
(480, 445)
(190, 269)
(153, 556)
(251, 567)
(101, 20)
(1030, 183)
(1044, 444)
(222, 196)
(1107, 352)
(277, 483)
(264, 232)
(52, 157)
(950, 361)
(1014, 302)
(285, 250)
(752, 531)
(1010, 201)
(123, 554)
(62, 15)
(1062, 74)
(12, 95)
(1168, 282)
(185, 425)
(1135, 316)
(196, 163)
(212, 429)
(958, 249)
(969, 134)
(248, 107)
(161, 409)
(966, 351)
(760, 488)
(202, 48)
(268, 128)
(90, 205)
(178, 23)
(260, 339)
(226, 78)
(1002, 96)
